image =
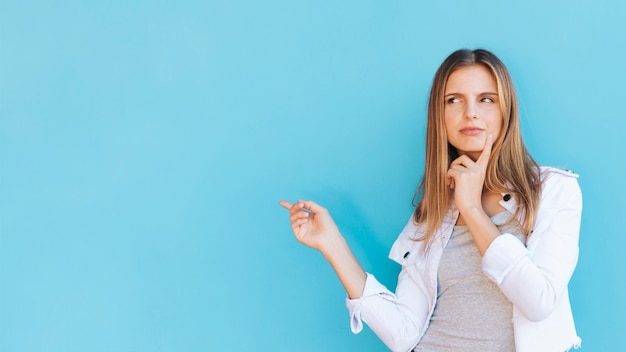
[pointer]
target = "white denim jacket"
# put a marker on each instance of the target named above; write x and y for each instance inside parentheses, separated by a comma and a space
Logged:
(533, 277)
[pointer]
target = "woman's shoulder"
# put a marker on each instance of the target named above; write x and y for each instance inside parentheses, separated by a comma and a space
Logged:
(559, 185)
(551, 171)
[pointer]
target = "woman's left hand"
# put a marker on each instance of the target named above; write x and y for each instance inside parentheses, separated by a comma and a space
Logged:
(467, 178)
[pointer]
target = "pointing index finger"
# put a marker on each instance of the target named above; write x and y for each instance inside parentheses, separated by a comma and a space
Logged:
(285, 204)
(483, 159)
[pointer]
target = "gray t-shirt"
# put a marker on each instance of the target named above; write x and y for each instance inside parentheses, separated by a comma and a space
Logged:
(471, 313)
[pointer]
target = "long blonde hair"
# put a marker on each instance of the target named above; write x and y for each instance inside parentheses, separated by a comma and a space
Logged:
(511, 167)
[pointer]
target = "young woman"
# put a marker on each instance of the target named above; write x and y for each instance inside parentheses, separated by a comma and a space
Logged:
(489, 251)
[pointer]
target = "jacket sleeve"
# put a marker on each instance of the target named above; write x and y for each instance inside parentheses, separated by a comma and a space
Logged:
(534, 277)
(399, 318)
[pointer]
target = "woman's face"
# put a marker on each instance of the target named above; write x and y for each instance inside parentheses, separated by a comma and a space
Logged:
(472, 109)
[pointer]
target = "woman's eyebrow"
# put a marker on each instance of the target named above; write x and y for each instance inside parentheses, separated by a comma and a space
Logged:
(483, 93)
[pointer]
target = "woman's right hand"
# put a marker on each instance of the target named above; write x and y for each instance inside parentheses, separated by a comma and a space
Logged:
(314, 227)
(311, 224)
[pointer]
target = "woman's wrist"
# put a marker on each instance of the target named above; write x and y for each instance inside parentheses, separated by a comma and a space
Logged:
(472, 211)
(333, 245)
(336, 251)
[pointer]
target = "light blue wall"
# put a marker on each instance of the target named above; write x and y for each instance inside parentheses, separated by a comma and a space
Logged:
(144, 146)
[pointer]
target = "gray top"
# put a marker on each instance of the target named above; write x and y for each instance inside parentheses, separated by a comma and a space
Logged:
(471, 313)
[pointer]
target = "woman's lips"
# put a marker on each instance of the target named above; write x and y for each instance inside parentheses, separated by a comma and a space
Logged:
(471, 131)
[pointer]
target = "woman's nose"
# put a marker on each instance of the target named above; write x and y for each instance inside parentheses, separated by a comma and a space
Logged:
(471, 110)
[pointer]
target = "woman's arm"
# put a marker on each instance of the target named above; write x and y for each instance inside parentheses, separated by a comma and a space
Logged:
(313, 226)
(397, 319)
(535, 276)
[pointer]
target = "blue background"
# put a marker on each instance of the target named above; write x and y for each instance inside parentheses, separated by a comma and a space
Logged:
(144, 146)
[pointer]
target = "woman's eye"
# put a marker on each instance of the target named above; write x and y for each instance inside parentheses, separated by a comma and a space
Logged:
(487, 100)
(452, 100)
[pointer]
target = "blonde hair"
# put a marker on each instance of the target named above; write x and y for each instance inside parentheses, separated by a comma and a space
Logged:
(511, 168)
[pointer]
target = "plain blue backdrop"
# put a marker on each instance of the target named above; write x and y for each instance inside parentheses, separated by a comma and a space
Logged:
(144, 146)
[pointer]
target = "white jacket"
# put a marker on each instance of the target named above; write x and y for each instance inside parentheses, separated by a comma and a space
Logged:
(533, 277)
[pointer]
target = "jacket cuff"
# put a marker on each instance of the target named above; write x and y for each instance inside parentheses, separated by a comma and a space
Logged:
(504, 252)
(355, 306)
